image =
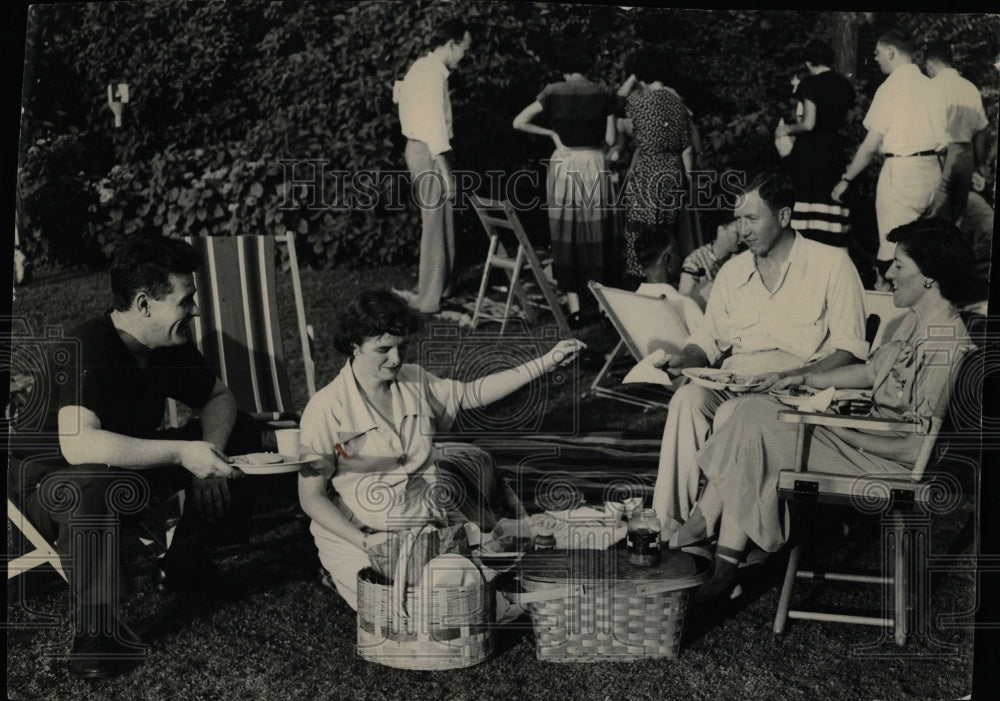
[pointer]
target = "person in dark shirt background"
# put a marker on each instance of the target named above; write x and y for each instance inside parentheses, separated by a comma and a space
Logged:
(581, 116)
(817, 158)
(116, 460)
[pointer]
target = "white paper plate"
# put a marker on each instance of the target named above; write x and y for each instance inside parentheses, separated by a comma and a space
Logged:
(792, 396)
(719, 379)
(286, 465)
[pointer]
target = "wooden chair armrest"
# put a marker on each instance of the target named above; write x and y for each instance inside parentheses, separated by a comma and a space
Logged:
(867, 423)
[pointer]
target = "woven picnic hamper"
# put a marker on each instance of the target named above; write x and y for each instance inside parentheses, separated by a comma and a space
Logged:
(594, 606)
(402, 625)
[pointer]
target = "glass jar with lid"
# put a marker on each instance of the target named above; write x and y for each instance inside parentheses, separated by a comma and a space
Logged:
(644, 538)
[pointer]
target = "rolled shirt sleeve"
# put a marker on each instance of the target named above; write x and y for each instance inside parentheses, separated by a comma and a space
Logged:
(845, 309)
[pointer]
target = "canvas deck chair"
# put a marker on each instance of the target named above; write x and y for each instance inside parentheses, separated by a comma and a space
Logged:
(239, 330)
(644, 324)
(44, 552)
(894, 496)
(498, 218)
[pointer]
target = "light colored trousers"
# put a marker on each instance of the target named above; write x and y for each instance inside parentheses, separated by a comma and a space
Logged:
(956, 182)
(693, 412)
(437, 236)
(905, 192)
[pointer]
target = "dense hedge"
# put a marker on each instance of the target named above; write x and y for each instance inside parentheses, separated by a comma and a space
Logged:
(225, 95)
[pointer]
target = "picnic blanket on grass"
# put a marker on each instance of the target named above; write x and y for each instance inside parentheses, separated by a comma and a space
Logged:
(554, 473)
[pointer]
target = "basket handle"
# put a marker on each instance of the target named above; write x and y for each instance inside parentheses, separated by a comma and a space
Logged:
(402, 563)
(531, 597)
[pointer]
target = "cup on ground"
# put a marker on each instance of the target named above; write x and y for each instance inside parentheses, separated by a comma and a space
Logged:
(288, 442)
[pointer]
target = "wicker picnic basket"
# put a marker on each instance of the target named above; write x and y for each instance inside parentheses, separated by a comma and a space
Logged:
(594, 606)
(402, 625)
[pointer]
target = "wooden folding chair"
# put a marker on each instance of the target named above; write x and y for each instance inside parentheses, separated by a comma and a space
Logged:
(496, 217)
(43, 553)
(239, 330)
(882, 317)
(892, 495)
(644, 324)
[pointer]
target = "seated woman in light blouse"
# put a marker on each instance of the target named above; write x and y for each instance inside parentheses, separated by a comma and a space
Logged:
(375, 424)
(909, 377)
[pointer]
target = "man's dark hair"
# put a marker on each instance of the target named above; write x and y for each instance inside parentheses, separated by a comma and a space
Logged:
(942, 252)
(897, 40)
(938, 51)
(818, 53)
(146, 264)
(775, 188)
(373, 313)
(650, 243)
(449, 30)
(651, 63)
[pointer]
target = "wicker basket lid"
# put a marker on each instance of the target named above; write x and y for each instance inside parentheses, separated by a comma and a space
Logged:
(596, 565)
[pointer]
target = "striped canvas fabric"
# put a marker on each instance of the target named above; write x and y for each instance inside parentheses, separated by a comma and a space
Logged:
(829, 220)
(556, 472)
(239, 331)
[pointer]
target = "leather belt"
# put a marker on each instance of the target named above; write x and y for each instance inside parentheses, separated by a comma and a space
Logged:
(931, 152)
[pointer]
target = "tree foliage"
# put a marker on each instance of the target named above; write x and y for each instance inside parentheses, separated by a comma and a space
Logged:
(224, 95)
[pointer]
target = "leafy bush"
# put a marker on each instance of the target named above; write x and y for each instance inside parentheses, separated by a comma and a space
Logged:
(226, 96)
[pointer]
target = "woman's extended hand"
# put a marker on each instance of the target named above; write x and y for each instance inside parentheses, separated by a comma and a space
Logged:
(789, 381)
(560, 146)
(562, 353)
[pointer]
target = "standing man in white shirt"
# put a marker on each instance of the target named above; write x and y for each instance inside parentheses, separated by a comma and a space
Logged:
(967, 132)
(906, 122)
(425, 119)
(784, 304)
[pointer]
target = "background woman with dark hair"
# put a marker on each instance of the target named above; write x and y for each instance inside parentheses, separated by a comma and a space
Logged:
(659, 122)
(581, 122)
(908, 375)
(817, 158)
(374, 426)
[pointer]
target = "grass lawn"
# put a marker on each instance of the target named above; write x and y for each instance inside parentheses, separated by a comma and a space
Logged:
(284, 636)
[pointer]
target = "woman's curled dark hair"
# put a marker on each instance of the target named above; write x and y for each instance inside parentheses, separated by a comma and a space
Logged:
(942, 253)
(373, 313)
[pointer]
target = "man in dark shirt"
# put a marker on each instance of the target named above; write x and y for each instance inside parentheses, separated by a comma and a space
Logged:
(117, 462)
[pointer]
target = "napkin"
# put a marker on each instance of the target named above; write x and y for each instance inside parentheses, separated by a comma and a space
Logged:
(646, 371)
(819, 401)
(449, 570)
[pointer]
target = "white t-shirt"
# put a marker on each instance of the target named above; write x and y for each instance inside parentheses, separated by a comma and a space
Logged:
(908, 113)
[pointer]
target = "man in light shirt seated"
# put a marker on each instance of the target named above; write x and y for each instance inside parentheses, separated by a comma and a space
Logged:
(785, 304)
(659, 261)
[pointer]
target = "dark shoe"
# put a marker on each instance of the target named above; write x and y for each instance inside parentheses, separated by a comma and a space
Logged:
(194, 574)
(103, 656)
(720, 584)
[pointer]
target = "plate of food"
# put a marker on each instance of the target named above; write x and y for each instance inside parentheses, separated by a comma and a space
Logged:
(271, 463)
(798, 395)
(720, 379)
(795, 396)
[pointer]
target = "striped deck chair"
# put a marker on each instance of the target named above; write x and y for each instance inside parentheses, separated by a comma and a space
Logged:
(239, 330)
(551, 472)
